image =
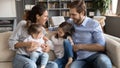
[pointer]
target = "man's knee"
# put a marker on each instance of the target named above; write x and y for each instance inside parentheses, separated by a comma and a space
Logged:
(104, 60)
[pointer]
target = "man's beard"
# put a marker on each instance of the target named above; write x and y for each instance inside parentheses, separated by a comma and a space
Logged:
(78, 22)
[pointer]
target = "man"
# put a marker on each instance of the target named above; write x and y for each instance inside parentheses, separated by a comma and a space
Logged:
(88, 39)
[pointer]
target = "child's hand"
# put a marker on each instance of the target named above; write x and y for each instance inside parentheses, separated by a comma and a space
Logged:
(42, 46)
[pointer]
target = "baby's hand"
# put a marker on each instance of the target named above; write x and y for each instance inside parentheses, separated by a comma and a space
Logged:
(42, 46)
(45, 47)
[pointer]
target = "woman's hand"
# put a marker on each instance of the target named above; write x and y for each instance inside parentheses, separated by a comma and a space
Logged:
(31, 46)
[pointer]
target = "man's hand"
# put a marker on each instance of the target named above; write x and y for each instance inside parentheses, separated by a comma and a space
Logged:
(76, 47)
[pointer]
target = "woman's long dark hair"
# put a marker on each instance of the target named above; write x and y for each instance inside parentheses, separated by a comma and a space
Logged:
(67, 28)
(37, 9)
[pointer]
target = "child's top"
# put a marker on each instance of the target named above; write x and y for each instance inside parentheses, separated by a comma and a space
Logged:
(40, 40)
(59, 46)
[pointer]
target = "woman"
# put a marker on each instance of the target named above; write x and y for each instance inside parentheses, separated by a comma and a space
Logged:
(38, 15)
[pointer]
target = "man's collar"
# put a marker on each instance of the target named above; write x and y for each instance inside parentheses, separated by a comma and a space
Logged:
(85, 21)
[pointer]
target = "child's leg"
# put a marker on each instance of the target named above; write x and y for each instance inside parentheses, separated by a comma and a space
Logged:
(34, 56)
(68, 53)
(44, 59)
(60, 62)
(68, 50)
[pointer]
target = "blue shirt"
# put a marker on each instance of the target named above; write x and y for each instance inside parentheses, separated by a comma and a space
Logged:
(88, 32)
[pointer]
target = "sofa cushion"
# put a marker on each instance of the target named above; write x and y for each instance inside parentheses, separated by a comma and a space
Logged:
(5, 53)
(6, 65)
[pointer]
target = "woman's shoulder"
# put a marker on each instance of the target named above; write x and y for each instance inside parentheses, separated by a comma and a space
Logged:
(22, 22)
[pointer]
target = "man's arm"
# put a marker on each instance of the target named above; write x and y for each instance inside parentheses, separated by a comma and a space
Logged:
(89, 47)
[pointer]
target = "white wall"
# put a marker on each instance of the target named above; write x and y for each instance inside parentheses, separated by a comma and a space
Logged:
(114, 6)
(7, 8)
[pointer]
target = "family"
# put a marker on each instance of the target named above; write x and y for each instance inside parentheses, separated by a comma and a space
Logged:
(78, 43)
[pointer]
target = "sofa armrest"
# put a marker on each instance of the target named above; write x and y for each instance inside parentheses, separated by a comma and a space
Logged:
(113, 49)
(113, 37)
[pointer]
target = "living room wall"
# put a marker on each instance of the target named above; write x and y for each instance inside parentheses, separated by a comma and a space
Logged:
(7, 8)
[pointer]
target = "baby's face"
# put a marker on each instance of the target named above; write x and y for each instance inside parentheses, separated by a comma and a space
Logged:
(37, 35)
(60, 32)
(40, 35)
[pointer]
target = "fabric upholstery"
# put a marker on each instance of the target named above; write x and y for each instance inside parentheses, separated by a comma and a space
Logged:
(5, 53)
(6, 65)
(113, 49)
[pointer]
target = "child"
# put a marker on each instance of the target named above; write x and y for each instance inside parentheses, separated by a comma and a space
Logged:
(36, 34)
(63, 45)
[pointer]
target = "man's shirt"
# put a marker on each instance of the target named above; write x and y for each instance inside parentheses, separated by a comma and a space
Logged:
(89, 32)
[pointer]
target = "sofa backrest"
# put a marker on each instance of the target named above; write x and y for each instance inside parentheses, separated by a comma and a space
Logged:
(5, 53)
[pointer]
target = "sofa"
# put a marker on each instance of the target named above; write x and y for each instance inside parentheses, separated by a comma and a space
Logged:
(6, 55)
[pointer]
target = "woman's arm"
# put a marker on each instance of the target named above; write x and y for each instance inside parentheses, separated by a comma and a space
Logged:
(27, 44)
(14, 40)
(18, 36)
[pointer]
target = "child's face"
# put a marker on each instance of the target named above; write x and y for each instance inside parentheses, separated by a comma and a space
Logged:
(37, 35)
(60, 32)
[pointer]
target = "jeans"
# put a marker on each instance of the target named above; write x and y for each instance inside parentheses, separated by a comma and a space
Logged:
(21, 61)
(68, 52)
(98, 60)
(44, 57)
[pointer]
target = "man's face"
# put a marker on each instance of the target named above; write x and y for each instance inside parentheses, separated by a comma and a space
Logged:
(77, 17)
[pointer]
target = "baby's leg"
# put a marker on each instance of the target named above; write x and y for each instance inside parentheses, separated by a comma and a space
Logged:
(44, 60)
(34, 56)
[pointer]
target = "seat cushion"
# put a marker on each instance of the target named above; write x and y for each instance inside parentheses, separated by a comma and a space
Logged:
(5, 53)
(6, 65)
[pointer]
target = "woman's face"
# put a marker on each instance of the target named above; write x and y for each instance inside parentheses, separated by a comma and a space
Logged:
(43, 18)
